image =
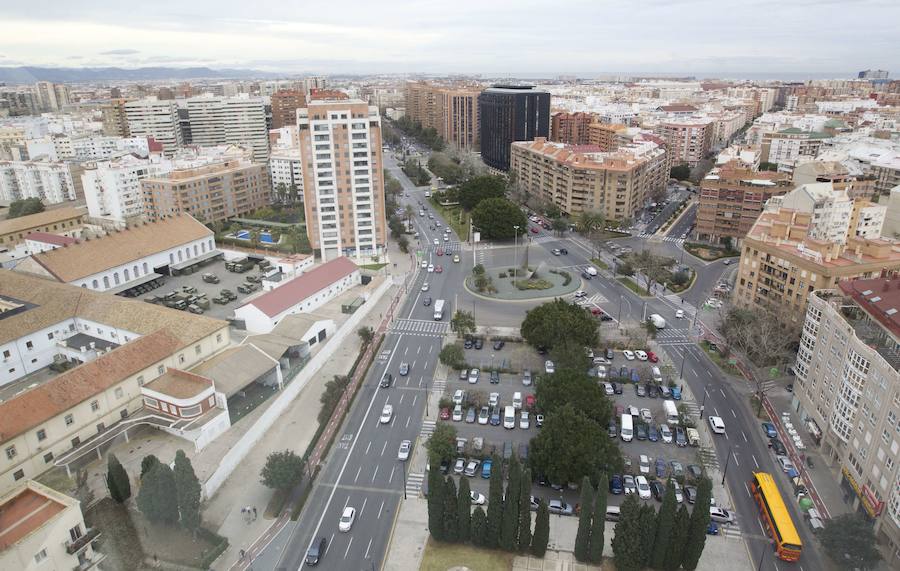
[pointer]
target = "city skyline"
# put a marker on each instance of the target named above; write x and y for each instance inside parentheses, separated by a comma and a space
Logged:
(697, 37)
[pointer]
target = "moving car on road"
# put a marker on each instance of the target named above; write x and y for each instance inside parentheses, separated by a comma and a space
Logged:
(347, 518)
(403, 452)
(387, 414)
(316, 551)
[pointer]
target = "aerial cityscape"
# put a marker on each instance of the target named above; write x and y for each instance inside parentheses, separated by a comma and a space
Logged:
(600, 286)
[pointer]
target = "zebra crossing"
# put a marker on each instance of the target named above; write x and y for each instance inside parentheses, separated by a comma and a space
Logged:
(691, 407)
(414, 481)
(674, 240)
(674, 337)
(427, 429)
(438, 386)
(421, 327)
(730, 531)
(594, 300)
(709, 458)
(449, 248)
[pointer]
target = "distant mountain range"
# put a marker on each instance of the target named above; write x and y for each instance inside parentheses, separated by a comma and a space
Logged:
(18, 75)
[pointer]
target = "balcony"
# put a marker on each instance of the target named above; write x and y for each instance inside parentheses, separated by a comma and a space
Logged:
(85, 563)
(73, 547)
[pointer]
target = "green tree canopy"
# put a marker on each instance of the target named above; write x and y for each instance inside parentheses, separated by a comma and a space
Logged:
(147, 464)
(509, 526)
(598, 526)
(495, 504)
(282, 471)
(551, 322)
(571, 446)
(675, 554)
(665, 522)
(496, 218)
(479, 527)
(696, 540)
(541, 531)
(567, 387)
(187, 490)
(626, 542)
(452, 355)
(524, 537)
(436, 504)
(451, 510)
(463, 322)
(647, 527)
(680, 172)
(583, 535)
(117, 480)
(24, 207)
(331, 396)
(849, 541)
(569, 355)
(157, 499)
(464, 511)
(479, 188)
(442, 443)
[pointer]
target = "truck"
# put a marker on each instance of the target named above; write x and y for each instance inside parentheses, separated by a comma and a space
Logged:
(239, 265)
(210, 278)
(671, 412)
(657, 320)
(439, 310)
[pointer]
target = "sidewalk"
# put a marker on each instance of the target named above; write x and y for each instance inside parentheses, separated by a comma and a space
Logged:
(294, 431)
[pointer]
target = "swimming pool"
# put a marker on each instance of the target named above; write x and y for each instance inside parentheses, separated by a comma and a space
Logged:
(264, 237)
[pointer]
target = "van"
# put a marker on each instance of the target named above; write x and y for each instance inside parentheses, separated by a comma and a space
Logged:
(591, 270)
(671, 412)
(693, 437)
(657, 321)
(657, 375)
(612, 513)
(627, 430)
(509, 417)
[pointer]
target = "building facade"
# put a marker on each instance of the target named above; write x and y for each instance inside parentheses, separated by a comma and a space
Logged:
(285, 103)
(51, 181)
(343, 182)
(230, 121)
(155, 119)
(451, 110)
(112, 189)
(607, 136)
(286, 168)
(848, 393)
(511, 113)
(688, 140)
(115, 120)
(571, 128)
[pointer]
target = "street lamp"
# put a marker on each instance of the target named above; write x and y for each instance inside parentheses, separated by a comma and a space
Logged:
(681, 374)
(403, 471)
(703, 404)
(516, 253)
(727, 461)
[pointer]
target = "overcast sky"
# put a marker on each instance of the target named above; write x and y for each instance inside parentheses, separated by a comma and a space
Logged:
(726, 37)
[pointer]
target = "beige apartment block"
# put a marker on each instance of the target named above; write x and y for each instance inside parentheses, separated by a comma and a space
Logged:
(689, 140)
(343, 180)
(451, 110)
(115, 120)
(848, 394)
(571, 128)
(579, 179)
(607, 136)
(65, 221)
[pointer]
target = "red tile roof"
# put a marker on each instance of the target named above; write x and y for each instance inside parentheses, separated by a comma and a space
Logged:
(23, 514)
(296, 290)
(49, 238)
(179, 384)
(880, 297)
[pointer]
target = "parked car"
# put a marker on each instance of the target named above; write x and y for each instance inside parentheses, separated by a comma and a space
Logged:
(643, 488)
(695, 471)
(477, 498)
(457, 413)
(549, 367)
(665, 433)
(628, 484)
(652, 433)
(472, 468)
(495, 417)
(646, 415)
(720, 515)
(445, 413)
(640, 390)
(526, 377)
(628, 354)
(641, 431)
(499, 345)
(459, 466)
(678, 495)
(680, 438)
(651, 356)
(769, 429)
(539, 420)
(471, 415)
(473, 376)
(652, 390)
(486, 467)
(484, 415)
(463, 374)
(524, 422)
(458, 396)
(560, 507)
(658, 490)
(529, 402)
(785, 463)
(677, 468)
(641, 355)
(493, 400)
(644, 464)
(777, 446)
(615, 485)
(479, 343)
(660, 468)
(613, 430)
(617, 388)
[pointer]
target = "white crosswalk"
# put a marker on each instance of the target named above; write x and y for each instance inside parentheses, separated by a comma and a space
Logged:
(543, 239)
(674, 337)
(730, 531)
(420, 327)
(709, 458)
(427, 429)
(594, 300)
(447, 247)
(414, 483)
(674, 240)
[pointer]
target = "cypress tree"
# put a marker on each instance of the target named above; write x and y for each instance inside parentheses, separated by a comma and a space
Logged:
(509, 525)
(524, 539)
(626, 542)
(464, 512)
(647, 532)
(583, 536)
(451, 508)
(495, 505)
(117, 480)
(676, 543)
(696, 540)
(665, 522)
(479, 527)
(156, 499)
(187, 491)
(436, 504)
(541, 531)
(595, 554)
(147, 463)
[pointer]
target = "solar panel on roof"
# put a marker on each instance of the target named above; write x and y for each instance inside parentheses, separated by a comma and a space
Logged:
(867, 292)
(875, 299)
(891, 311)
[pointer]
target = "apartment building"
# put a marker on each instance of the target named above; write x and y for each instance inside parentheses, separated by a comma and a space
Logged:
(155, 119)
(51, 96)
(51, 181)
(42, 528)
(451, 110)
(847, 392)
(732, 198)
(421, 103)
(211, 184)
(789, 145)
(343, 183)
(230, 121)
(607, 136)
(285, 103)
(64, 221)
(806, 241)
(115, 346)
(115, 120)
(688, 140)
(571, 128)
(286, 168)
(112, 189)
(510, 113)
(582, 178)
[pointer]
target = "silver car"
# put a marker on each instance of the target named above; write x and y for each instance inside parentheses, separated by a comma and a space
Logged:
(403, 453)
(526, 377)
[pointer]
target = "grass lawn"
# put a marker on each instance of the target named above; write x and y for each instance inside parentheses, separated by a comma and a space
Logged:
(719, 360)
(451, 214)
(600, 263)
(630, 284)
(709, 253)
(374, 267)
(443, 556)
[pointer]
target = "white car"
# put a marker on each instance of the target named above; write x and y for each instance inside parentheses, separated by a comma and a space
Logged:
(477, 499)
(643, 488)
(473, 376)
(608, 389)
(644, 463)
(425, 286)
(387, 414)
(457, 413)
(403, 453)
(435, 240)
(458, 396)
(580, 293)
(720, 515)
(665, 433)
(430, 268)
(628, 484)
(641, 356)
(524, 422)
(549, 367)
(517, 400)
(494, 400)
(424, 264)
(446, 238)
(785, 463)
(717, 424)
(646, 415)
(679, 313)
(632, 410)
(678, 495)
(601, 374)
(347, 519)
(628, 354)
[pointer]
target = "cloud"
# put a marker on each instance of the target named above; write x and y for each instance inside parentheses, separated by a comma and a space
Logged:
(124, 52)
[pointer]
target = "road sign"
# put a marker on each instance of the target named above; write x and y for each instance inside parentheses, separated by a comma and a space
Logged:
(773, 372)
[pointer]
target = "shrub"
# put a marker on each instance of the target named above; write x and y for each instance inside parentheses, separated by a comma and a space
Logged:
(533, 284)
(567, 277)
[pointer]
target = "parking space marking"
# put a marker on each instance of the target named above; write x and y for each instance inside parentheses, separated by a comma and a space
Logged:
(348, 547)
(381, 509)
(383, 448)
(375, 473)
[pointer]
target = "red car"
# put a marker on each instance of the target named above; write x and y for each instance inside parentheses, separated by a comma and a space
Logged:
(596, 311)
(529, 402)
(651, 356)
(440, 252)
(534, 230)
(445, 413)
(438, 269)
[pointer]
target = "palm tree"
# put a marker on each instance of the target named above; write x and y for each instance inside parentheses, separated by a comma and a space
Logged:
(589, 223)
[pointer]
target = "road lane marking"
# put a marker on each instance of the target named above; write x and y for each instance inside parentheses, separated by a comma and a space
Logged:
(367, 548)
(365, 501)
(430, 349)
(745, 438)
(368, 446)
(381, 509)
(348, 547)
(735, 459)
(407, 381)
(415, 398)
(405, 351)
(717, 412)
(755, 462)
(695, 372)
(407, 420)
(414, 364)
(357, 474)
(420, 381)
(347, 501)
(391, 479)
(708, 373)
(393, 420)
(401, 396)
(419, 350)
(383, 448)
(733, 414)
(723, 393)
(374, 474)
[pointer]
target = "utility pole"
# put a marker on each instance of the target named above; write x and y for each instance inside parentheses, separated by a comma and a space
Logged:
(703, 404)
(403, 470)
(681, 375)
(727, 461)
(516, 253)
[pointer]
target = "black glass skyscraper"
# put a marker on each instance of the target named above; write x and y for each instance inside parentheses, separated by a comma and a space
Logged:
(510, 113)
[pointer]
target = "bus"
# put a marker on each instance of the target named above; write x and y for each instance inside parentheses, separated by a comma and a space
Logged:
(439, 310)
(775, 516)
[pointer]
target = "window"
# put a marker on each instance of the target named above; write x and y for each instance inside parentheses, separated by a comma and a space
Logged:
(41, 435)
(119, 392)
(75, 442)
(11, 453)
(48, 457)
(40, 555)
(18, 475)
(197, 349)
(7, 354)
(191, 411)
(29, 345)
(161, 369)
(140, 380)
(50, 335)
(151, 402)
(70, 420)
(95, 405)
(75, 533)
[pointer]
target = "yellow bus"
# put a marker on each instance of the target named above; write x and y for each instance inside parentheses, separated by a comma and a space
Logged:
(775, 516)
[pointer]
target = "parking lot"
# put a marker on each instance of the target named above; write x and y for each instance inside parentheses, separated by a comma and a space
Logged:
(227, 280)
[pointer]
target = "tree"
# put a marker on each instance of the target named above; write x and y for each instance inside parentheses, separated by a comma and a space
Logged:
(479, 188)
(495, 504)
(24, 207)
(403, 244)
(541, 531)
(675, 552)
(331, 396)
(479, 527)
(571, 446)
(436, 504)
(647, 528)
(583, 536)
(680, 172)
(451, 510)
(156, 499)
(549, 323)
(762, 335)
(598, 526)
(187, 491)
(464, 511)
(576, 389)
(117, 480)
(559, 225)
(365, 335)
(696, 539)
(452, 355)
(850, 542)
(147, 463)
(571, 356)
(509, 525)
(463, 322)
(282, 471)
(665, 522)
(767, 166)
(442, 443)
(497, 219)
(626, 542)
(524, 536)
(589, 223)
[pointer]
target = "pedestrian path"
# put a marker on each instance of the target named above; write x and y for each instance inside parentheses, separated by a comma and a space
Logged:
(674, 337)
(709, 458)
(414, 483)
(544, 239)
(421, 327)
(674, 240)
(427, 429)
